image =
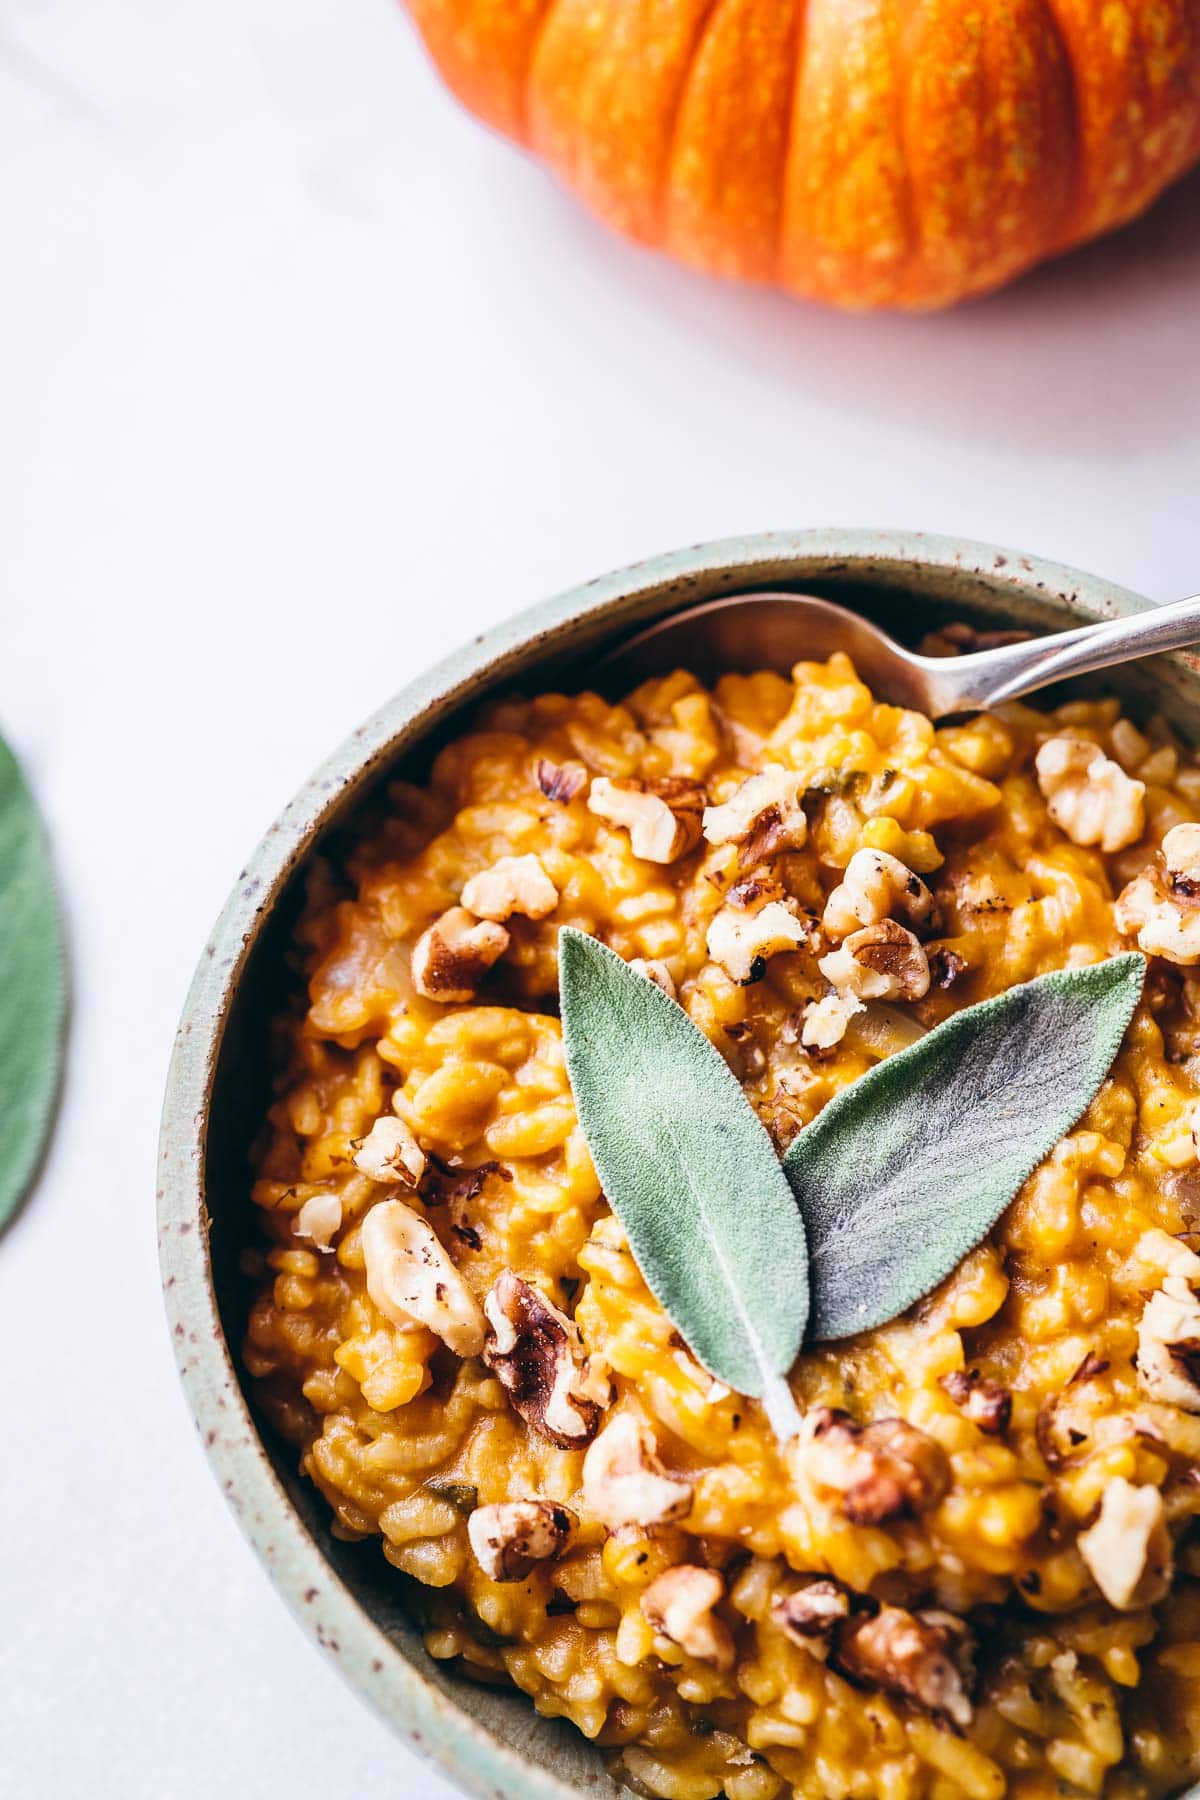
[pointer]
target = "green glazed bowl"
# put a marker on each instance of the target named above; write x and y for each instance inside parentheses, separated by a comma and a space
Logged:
(346, 1596)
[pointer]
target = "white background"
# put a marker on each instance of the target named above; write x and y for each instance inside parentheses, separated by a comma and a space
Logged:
(303, 379)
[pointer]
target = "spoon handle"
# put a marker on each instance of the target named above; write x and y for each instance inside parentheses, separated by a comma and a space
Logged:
(990, 676)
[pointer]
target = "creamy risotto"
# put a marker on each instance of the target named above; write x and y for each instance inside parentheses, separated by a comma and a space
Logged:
(975, 1574)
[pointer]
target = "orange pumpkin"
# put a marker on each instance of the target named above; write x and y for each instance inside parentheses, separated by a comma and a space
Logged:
(871, 153)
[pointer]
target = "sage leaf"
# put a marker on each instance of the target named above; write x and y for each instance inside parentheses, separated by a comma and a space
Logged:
(32, 988)
(908, 1168)
(690, 1172)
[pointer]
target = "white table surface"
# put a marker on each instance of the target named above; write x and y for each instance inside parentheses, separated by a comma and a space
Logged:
(303, 379)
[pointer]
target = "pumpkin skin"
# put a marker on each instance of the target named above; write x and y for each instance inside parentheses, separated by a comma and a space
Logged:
(869, 153)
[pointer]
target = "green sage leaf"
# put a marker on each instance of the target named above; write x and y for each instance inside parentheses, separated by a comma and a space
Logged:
(32, 988)
(689, 1171)
(908, 1168)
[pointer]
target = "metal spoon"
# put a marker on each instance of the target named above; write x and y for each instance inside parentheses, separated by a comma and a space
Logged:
(774, 631)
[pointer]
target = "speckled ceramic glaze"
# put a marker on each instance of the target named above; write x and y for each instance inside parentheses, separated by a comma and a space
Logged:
(346, 1596)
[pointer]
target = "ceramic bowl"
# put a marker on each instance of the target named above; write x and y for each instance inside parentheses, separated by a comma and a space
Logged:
(346, 1596)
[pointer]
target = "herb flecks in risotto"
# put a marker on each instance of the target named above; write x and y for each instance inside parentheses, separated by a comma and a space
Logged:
(974, 1572)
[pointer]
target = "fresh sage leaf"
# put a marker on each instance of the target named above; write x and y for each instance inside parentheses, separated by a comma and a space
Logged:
(908, 1168)
(32, 988)
(690, 1172)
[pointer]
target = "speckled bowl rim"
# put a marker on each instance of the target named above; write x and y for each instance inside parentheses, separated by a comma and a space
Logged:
(466, 1750)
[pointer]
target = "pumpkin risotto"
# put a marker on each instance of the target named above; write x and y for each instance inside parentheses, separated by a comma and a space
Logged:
(975, 1573)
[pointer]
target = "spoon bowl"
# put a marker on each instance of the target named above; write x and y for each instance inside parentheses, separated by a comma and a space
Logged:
(778, 630)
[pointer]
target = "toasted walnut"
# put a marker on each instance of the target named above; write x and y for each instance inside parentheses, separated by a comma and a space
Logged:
(877, 886)
(625, 1484)
(886, 1470)
(561, 782)
(983, 1400)
(320, 1220)
(923, 1657)
(742, 942)
(679, 1604)
(390, 1152)
(811, 1615)
(412, 1280)
(662, 817)
(1162, 904)
(515, 884)
(537, 1354)
(656, 971)
(1128, 1549)
(510, 1537)
(766, 810)
(825, 1020)
(1168, 1356)
(1088, 796)
(451, 959)
(880, 962)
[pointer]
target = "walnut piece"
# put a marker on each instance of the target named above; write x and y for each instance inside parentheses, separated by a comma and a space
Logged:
(825, 1020)
(625, 1484)
(880, 962)
(742, 942)
(811, 1616)
(510, 1537)
(655, 970)
(877, 886)
(412, 1280)
(561, 782)
(514, 884)
(390, 1152)
(661, 817)
(451, 959)
(679, 1604)
(983, 1400)
(537, 1355)
(923, 1657)
(1168, 1354)
(1088, 796)
(767, 810)
(1128, 1549)
(1162, 904)
(882, 1471)
(319, 1220)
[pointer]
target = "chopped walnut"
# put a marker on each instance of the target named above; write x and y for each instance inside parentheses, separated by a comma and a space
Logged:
(1088, 796)
(655, 970)
(514, 884)
(1162, 904)
(886, 1470)
(965, 639)
(319, 1220)
(825, 1020)
(877, 886)
(1128, 1549)
(451, 959)
(1168, 1355)
(766, 810)
(412, 1280)
(983, 1400)
(922, 1657)
(742, 942)
(561, 782)
(679, 1604)
(537, 1354)
(945, 967)
(390, 1152)
(510, 1537)
(662, 817)
(625, 1484)
(880, 962)
(811, 1615)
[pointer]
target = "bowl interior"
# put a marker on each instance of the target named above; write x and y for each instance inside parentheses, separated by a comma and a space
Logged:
(512, 1752)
